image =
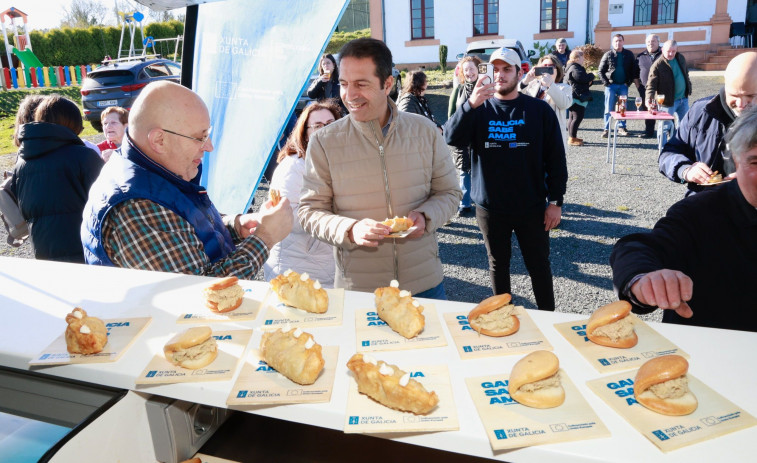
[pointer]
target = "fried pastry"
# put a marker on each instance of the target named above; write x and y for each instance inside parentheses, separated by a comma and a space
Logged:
(399, 310)
(301, 292)
(398, 224)
(275, 196)
(224, 295)
(85, 334)
(293, 353)
(390, 386)
(716, 177)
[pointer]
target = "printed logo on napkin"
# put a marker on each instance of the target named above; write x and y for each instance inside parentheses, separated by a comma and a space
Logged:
(471, 344)
(231, 346)
(510, 425)
(122, 332)
(715, 415)
(277, 314)
(365, 415)
(609, 359)
(258, 383)
(373, 334)
(248, 311)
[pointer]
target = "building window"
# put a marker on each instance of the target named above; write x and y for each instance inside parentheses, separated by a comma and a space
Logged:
(648, 12)
(422, 19)
(485, 17)
(554, 15)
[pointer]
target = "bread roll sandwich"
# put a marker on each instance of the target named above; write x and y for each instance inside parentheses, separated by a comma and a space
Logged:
(662, 386)
(535, 380)
(399, 310)
(494, 316)
(192, 349)
(300, 292)
(611, 326)
(293, 353)
(390, 386)
(85, 334)
(224, 295)
(398, 224)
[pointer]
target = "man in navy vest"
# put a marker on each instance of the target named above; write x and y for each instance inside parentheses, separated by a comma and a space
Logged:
(147, 210)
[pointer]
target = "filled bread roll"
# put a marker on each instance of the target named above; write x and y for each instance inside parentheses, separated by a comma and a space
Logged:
(662, 385)
(611, 326)
(192, 349)
(224, 295)
(85, 334)
(535, 380)
(399, 310)
(293, 353)
(398, 224)
(390, 386)
(494, 316)
(300, 292)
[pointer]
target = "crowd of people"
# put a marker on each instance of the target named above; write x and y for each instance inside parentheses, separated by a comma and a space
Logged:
(355, 158)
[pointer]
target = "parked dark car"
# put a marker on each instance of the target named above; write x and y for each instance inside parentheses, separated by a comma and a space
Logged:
(118, 83)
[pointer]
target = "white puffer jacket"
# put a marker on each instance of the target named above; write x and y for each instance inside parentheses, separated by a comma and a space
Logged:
(559, 97)
(299, 251)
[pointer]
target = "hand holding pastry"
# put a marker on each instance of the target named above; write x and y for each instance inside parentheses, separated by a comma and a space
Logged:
(85, 334)
(494, 316)
(662, 386)
(390, 386)
(610, 326)
(294, 354)
(399, 310)
(300, 292)
(368, 232)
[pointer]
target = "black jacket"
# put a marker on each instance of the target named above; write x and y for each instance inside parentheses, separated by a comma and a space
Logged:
(711, 238)
(644, 62)
(410, 103)
(579, 80)
(699, 138)
(609, 61)
(661, 80)
(51, 181)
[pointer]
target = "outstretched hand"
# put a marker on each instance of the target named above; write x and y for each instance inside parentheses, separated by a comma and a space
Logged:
(666, 289)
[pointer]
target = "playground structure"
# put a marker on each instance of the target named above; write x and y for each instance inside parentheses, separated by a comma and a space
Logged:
(31, 73)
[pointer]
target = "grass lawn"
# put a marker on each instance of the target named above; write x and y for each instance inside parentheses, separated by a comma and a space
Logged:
(9, 101)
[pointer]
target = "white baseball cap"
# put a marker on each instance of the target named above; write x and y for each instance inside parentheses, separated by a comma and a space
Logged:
(508, 55)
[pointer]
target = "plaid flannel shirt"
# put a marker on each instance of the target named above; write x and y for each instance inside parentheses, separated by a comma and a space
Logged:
(142, 234)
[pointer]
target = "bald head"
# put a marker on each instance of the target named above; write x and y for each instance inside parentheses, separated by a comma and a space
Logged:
(740, 82)
(168, 123)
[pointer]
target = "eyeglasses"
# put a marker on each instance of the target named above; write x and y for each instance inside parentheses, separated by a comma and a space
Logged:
(202, 140)
(319, 125)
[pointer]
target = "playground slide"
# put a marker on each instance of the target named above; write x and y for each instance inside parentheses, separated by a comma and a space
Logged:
(28, 59)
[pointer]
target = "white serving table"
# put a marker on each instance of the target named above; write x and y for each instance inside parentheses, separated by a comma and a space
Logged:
(36, 295)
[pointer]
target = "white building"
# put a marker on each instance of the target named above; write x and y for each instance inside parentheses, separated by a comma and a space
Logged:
(414, 29)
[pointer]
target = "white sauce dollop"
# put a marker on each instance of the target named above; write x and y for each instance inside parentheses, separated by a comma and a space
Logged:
(386, 370)
(405, 379)
(394, 284)
(85, 329)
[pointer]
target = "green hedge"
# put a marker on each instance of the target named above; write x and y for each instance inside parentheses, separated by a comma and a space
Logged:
(338, 39)
(66, 46)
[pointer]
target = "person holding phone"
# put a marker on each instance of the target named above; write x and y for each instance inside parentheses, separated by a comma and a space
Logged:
(544, 81)
(468, 76)
(515, 137)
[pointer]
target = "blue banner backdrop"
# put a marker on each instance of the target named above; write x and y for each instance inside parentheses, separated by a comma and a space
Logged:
(252, 62)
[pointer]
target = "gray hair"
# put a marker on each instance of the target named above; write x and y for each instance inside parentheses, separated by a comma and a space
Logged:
(670, 43)
(742, 135)
(561, 40)
(654, 36)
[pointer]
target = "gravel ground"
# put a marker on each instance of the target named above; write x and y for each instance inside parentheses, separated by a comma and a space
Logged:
(600, 207)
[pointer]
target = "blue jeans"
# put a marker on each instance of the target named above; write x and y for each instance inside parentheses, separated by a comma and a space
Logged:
(465, 186)
(665, 130)
(437, 292)
(611, 94)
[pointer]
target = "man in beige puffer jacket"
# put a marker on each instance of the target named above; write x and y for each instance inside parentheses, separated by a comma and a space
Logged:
(375, 164)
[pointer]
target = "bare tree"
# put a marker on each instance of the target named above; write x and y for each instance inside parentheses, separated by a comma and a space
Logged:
(84, 13)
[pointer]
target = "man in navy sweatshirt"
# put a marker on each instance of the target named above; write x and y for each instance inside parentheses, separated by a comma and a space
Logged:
(518, 172)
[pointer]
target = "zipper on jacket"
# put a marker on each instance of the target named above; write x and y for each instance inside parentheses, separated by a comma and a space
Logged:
(388, 195)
